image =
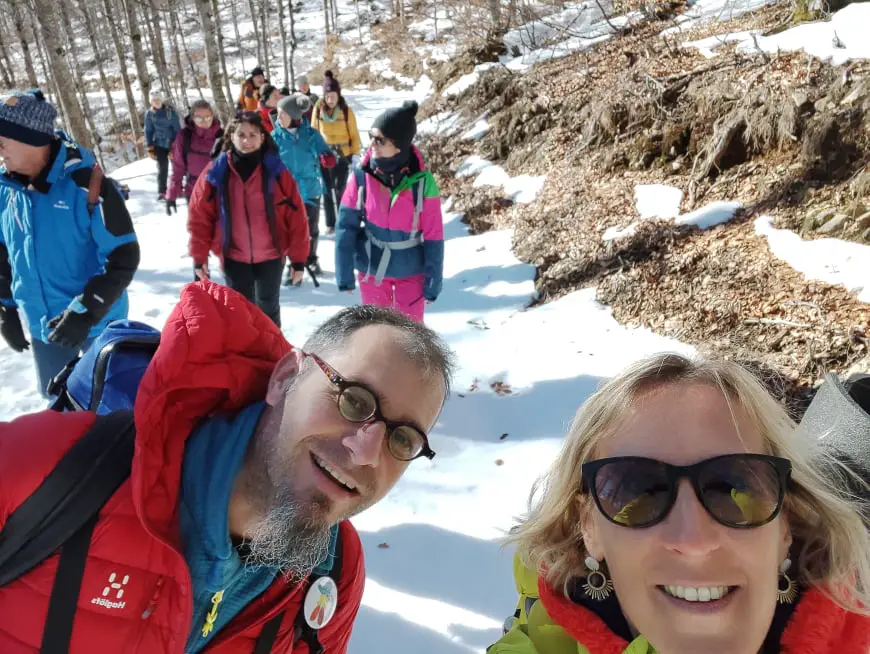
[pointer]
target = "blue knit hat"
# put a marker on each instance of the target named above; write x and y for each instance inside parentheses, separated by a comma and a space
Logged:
(27, 117)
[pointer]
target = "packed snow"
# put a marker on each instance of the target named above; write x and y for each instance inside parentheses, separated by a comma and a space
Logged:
(522, 189)
(704, 12)
(468, 80)
(438, 580)
(831, 260)
(839, 40)
(662, 202)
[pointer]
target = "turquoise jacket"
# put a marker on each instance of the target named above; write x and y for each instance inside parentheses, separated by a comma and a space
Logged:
(300, 152)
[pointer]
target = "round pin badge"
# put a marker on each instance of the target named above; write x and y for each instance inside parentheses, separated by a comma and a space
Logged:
(321, 602)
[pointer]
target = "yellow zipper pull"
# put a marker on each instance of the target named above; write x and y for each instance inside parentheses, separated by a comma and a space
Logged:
(211, 617)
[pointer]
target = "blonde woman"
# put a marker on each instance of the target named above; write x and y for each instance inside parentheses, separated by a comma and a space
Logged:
(685, 515)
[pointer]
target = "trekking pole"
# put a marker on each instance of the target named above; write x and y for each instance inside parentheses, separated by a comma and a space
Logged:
(313, 276)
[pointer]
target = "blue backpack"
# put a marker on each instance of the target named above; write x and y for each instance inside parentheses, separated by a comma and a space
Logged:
(106, 377)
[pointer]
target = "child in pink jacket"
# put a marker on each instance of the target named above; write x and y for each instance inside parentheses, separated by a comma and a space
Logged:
(390, 229)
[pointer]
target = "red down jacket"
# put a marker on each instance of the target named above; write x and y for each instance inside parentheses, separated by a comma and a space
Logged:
(217, 354)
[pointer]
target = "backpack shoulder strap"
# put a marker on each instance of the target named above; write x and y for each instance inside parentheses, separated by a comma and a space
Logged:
(419, 190)
(187, 135)
(94, 186)
(360, 177)
(78, 487)
(303, 630)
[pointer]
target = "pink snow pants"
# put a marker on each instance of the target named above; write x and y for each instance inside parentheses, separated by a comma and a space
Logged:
(404, 295)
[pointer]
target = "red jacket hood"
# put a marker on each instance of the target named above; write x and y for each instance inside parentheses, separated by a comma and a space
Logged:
(817, 626)
(216, 354)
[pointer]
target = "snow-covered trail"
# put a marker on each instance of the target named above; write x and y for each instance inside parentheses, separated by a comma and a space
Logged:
(438, 581)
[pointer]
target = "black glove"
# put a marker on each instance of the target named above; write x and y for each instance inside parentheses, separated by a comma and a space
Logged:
(11, 330)
(170, 207)
(70, 329)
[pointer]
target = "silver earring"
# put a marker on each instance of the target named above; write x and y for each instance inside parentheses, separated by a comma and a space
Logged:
(597, 585)
(788, 594)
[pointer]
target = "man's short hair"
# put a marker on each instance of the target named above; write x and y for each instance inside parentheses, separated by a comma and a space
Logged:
(420, 344)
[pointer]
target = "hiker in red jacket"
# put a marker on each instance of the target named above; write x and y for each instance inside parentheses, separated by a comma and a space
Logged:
(250, 455)
(195, 146)
(246, 208)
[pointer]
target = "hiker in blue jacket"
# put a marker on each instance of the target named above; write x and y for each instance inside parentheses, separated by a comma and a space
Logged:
(67, 246)
(303, 151)
(161, 126)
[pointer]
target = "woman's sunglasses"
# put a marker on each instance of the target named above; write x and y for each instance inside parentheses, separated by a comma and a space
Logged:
(378, 140)
(203, 120)
(741, 491)
(358, 403)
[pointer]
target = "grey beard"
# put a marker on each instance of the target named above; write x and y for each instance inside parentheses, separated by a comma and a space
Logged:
(288, 539)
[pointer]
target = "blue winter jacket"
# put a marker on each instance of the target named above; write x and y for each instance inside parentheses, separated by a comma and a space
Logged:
(161, 126)
(55, 253)
(300, 152)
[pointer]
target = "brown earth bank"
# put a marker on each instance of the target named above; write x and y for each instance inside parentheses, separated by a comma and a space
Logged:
(784, 134)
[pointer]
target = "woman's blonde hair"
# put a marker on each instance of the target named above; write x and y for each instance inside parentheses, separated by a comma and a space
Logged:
(834, 542)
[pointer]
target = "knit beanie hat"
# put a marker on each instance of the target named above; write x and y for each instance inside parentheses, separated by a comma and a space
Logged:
(26, 117)
(302, 79)
(399, 125)
(330, 84)
(295, 105)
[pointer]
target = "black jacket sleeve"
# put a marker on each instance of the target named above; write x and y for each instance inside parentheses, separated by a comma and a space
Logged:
(5, 276)
(113, 232)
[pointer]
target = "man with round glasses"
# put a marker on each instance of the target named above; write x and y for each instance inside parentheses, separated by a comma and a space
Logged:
(231, 534)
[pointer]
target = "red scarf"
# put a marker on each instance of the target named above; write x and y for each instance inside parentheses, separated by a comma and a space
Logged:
(817, 626)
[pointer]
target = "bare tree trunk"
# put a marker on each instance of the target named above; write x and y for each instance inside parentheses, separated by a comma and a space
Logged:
(293, 45)
(8, 70)
(235, 16)
(125, 78)
(75, 70)
(326, 15)
(495, 12)
(253, 9)
(283, 31)
(189, 60)
(220, 46)
(49, 79)
(138, 53)
(24, 40)
(359, 22)
(104, 82)
(264, 25)
(334, 16)
(159, 52)
(46, 12)
(176, 54)
(211, 56)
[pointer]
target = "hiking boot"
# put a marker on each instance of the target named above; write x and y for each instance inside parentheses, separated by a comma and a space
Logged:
(161, 197)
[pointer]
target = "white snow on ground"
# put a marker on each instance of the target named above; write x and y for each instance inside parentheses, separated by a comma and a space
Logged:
(445, 123)
(582, 39)
(830, 260)
(442, 585)
(659, 201)
(467, 81)
(477, 131)
(845, 37)
(711, 215)
(841, 39)
(521, 189)
(708, 11)
(708, 46)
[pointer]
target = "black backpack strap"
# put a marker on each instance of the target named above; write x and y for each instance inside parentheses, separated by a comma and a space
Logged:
(57, 632)
(78, 487)
(269, 634)
(302, 629)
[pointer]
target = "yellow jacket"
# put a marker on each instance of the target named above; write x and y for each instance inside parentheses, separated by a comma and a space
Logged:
(337, 128)
(534, 632)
